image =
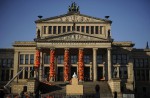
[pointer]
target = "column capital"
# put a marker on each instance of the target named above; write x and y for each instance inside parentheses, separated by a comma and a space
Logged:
(66, 48)
(95, 48)
(81, 48)
(52, 48)
(110, 48)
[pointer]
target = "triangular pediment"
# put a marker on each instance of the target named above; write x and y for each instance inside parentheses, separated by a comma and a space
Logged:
(73, 36)
(72, 18)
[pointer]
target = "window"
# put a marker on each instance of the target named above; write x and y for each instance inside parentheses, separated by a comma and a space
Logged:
(54, 29)
(46, 59)
(60, 59)
(21, 74)
(4, 63)
(145, 62)
(124, 59)
(92, 29)
(96, 30)
(59, 29)
(99, 59)
(7, 75)
(82, 28)
(50, 30)
(11, 74)
(73, 59)
(78, 28)
(31, 72)
(21, 59)
(86, 59)
(2, 75)
(31, 58)
(114, 59)
(123, 72)
(68, 28)
(101, 29)
(44, 29)
(9, 62)
(64, 29)
(26, 59)
(87, 29)
(26, 73)
(119, 58)
(147, 75)
(46, 72)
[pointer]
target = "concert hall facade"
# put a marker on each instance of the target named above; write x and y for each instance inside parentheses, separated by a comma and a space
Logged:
(77, 43)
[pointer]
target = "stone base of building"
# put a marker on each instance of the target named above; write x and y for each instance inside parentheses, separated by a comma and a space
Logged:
(31, 85)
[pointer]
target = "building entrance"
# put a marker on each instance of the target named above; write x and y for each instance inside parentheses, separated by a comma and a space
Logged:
(73, 69)
(60, 74)
(86, 73)
(99, 73)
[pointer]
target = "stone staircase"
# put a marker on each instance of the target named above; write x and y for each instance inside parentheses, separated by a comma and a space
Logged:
(89, 88)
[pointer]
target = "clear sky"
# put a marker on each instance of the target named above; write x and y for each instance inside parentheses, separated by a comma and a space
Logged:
(131, 18)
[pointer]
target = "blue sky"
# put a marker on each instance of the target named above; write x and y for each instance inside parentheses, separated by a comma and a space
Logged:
(131, 18)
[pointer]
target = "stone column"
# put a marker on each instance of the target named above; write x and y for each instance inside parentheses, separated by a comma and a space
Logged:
(81, 65)
(37, 63)
(52, 65)
(109, 63)
(95, 63)
(66, 65)
(16, 63)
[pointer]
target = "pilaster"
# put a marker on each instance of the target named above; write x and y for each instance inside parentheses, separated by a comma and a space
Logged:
(109, 63)
(95, 63)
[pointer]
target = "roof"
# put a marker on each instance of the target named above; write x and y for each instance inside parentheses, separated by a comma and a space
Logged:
(68, 14)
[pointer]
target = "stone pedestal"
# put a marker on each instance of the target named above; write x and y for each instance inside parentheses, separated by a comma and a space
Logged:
(74, 88)
(115, 85)
(31, 85)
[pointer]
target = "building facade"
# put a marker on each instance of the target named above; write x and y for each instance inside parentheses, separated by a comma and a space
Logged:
(78, 43)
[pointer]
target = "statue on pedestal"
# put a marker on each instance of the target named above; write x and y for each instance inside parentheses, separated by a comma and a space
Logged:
(115, 73)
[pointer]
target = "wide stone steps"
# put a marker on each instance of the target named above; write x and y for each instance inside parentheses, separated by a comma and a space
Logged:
(89, 88)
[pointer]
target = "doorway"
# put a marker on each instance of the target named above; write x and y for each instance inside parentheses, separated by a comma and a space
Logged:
(99, 73)
(73, 69)
(86, 73)
(60, 74)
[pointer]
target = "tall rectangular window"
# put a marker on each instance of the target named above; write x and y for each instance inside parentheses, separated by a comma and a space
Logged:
(4, 63)
(78, 28)
(2, 75)
(87, 29)
(54, 29)
(31, 72)
(11, 75)
(7, 75)
(26, 59)
(92, 29)
(21, 74)
(82, 28)
(86, 59)
(46, 59)
(145, 62)
(73, 59)
(64, 29)
(96, 30)
(21, 59)
(60, 59)
(44, 29)
(59, 29)
(101, 29)
(31, 58)
(9, 62)
(26, 73)
(114, 57)
(124, 59)
(99, 59)
(50, 30)
(68, 28)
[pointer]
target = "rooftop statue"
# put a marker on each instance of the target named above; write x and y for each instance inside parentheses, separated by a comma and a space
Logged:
(73, 7)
